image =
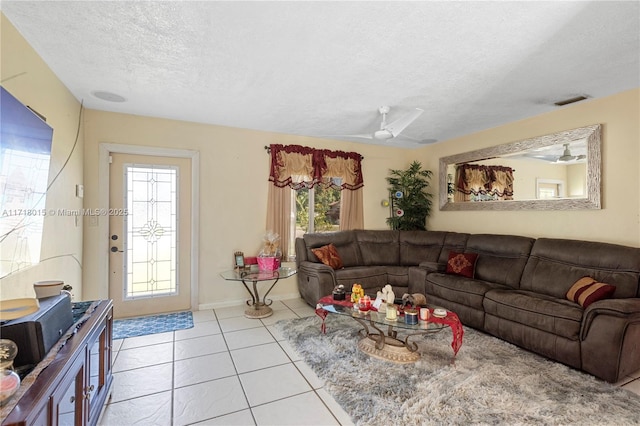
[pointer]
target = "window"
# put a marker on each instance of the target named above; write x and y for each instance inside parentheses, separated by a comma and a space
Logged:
(549, 188)
(322, 203)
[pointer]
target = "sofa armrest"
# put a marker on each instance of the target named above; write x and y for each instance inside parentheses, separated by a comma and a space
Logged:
(301, 251)
(315, 280)
(433, 266)
(621, 308)
(610, 338)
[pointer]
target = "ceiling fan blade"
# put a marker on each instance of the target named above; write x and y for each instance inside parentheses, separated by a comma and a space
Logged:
(416, 140)
(359, 136)
(400, 124)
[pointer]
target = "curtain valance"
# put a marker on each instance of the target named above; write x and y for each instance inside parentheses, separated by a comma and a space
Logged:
(316, 166)
(493, 181)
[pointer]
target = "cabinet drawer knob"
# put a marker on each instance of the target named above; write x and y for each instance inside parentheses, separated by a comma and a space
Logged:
(72, 399)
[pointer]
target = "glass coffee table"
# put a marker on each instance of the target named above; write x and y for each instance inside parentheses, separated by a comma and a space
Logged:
(258, 307)
(387, 345)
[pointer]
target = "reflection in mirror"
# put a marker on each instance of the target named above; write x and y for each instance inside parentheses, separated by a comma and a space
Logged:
(553, 172)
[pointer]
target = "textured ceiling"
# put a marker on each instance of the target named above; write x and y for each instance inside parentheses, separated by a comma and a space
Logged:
(323, 68)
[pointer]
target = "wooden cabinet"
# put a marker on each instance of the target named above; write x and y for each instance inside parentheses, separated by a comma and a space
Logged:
(74, 387)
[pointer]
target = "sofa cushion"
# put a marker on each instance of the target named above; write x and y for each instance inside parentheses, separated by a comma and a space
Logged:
(556, 316)
(465, 291)
(329, 256)
(452, 241)
(371, 278)
(345, 242)
(379, 247)
(463, 264)
(587, 290)
(398, 276)
(556, 264)
(502, 258)
(417, 247)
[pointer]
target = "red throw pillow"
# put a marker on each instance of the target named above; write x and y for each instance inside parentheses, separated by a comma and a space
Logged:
(329, 256)
(586, 290)
(462, 264)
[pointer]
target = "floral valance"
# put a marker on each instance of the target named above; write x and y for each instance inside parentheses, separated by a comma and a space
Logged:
(485, 181)
(303, 167)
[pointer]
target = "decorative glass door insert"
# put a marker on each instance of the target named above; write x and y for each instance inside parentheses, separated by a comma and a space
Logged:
(151, 225)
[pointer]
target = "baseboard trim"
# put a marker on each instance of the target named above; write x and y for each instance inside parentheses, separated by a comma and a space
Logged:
(240, 302)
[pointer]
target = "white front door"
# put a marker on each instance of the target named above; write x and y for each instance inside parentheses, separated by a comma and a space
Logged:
(150, 234)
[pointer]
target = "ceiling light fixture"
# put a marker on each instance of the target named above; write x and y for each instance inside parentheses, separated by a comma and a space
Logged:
(108, 96)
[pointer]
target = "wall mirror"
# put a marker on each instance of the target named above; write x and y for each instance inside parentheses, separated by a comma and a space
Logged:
(560, 171)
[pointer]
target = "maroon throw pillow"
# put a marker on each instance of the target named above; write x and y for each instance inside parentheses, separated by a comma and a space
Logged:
(462, 264)
(587, 290)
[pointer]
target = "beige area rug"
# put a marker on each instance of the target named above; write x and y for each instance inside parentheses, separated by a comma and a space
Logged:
(491, 382)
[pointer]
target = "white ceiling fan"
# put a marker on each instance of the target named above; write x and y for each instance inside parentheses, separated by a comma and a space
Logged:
(392, 130)
(566, 155)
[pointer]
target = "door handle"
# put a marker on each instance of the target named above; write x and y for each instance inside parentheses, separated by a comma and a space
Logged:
(114, 249)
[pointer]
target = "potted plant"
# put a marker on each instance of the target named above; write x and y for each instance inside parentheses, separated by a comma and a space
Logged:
(410, 199)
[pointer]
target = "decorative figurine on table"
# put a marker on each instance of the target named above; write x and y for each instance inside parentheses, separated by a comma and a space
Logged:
(388, 295)
(356, 293)
(380, 303)
(413, 300)
(339, 293)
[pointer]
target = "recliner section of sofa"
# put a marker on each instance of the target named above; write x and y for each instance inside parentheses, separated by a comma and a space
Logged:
(517, 293)
(372, 259)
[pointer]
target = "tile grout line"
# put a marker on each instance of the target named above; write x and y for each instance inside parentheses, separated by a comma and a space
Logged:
(237, 375)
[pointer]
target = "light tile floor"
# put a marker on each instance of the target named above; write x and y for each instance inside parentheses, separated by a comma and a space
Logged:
(226, 370)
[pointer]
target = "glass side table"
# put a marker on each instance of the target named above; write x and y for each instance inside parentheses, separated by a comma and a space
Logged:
(258, 307)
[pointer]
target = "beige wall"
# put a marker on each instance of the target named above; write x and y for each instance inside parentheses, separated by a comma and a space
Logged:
(233, 191)
(28, 78)
(619, 219)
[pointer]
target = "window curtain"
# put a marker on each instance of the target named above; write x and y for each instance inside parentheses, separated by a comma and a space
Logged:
(478, 183)
(317, 166)
(351, 210)
(279, 214)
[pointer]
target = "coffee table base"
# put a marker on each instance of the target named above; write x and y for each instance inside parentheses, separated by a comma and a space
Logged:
(257, 311)
(399, 354)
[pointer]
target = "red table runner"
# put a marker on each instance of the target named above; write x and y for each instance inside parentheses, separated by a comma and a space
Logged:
(451, 320)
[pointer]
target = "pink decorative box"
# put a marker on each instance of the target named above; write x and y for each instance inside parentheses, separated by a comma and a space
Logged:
(268, 263)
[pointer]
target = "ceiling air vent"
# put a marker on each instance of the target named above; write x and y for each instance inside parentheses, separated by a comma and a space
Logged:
(570, 101)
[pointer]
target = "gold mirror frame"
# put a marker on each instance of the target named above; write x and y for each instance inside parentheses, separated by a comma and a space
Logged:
(592, 134)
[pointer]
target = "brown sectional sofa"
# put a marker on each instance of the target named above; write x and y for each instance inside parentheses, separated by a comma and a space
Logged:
(517, 293)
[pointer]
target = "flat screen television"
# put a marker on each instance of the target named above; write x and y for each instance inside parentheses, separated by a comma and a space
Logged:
(25, 153)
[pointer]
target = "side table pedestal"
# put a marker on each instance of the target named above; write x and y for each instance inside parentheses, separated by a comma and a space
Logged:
(258, 307)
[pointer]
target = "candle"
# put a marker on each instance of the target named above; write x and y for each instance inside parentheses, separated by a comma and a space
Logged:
(424, 314)
(411, 316)
(392, 313)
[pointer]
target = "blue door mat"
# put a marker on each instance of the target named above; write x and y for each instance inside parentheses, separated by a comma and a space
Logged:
(141, 326)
